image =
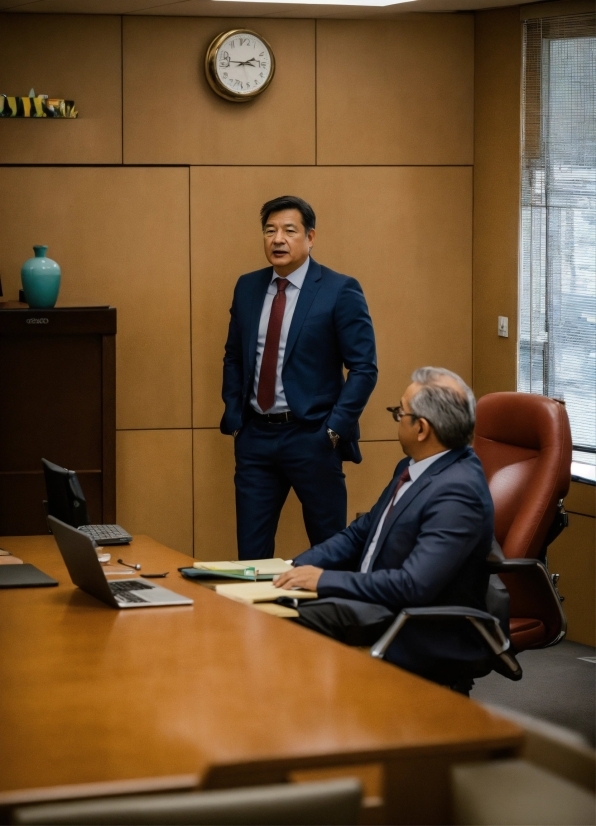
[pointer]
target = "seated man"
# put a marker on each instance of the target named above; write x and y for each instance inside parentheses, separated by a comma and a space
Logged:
(424, 543)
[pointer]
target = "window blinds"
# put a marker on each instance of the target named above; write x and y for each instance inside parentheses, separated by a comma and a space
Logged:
(557, 330)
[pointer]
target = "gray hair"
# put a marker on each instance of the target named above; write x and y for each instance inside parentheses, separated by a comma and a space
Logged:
(452, 414)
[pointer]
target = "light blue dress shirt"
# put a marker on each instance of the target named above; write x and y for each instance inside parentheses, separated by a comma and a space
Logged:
(295, 281)
(416, 470)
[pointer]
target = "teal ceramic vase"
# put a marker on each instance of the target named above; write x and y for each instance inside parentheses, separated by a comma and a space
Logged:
(41, 280)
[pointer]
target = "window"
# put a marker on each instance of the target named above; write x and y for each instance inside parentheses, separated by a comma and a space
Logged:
(557, 339)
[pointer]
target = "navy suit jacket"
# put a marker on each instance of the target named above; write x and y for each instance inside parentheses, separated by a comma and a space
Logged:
(331, 328)
(433, 546)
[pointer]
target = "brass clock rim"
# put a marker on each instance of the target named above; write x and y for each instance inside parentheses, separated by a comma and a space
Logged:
(211, 73)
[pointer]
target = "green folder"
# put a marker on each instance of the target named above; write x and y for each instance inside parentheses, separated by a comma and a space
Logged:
(248, 575)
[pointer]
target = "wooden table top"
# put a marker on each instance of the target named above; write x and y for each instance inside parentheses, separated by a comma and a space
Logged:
(91, 694)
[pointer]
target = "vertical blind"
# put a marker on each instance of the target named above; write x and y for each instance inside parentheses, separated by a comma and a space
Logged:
(557, 330)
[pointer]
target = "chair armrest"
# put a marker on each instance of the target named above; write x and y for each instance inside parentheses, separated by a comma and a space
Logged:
(532, 594)
(497, 566)
(487, 626)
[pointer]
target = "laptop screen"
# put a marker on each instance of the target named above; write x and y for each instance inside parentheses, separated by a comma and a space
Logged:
(66, 500)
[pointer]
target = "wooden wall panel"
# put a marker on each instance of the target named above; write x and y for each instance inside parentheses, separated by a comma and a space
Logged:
(121, 238)
(291, 538)
(154, 486)
(214, 508)
(367, 480)
(65, 56)
(496, 196)
(572, 556)
(172, 116)
(411, 249)
(395, 91)
(581, 499)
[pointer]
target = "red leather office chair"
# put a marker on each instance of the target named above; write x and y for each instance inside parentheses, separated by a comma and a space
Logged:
(524, 444)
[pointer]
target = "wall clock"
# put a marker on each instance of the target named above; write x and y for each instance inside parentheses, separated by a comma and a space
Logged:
(239, 65)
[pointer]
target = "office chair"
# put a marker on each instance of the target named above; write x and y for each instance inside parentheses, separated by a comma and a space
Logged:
(324, 803)
(550, 782)
(524, 444)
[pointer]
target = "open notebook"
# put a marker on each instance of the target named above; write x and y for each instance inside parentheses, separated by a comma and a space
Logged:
(251, 592)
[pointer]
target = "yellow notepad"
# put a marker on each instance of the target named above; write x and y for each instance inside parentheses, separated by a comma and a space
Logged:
(260, 592)
(263, 566)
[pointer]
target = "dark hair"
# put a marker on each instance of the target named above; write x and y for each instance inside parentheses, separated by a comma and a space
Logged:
(309, 219)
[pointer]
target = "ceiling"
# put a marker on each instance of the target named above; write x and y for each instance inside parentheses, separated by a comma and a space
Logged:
(216, 8)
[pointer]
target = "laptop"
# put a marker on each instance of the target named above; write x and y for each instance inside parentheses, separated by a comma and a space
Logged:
(66, 501)
(80, 557)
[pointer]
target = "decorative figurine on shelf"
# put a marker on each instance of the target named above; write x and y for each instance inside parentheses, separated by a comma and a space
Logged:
(36, 106)
(41, 280)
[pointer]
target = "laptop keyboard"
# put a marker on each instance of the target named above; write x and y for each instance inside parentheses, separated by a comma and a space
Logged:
(122, 590)
(106, 534)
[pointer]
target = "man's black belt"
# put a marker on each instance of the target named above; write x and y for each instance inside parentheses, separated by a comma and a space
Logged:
(273, 418)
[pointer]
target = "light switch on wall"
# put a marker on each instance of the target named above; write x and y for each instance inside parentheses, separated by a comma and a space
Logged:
(503, 328)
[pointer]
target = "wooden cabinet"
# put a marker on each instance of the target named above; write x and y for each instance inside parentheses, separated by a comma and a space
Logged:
(57, 401)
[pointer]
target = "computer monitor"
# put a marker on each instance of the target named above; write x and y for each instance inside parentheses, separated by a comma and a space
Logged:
(66, 500)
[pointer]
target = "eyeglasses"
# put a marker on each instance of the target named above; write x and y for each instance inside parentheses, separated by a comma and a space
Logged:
(398, 413)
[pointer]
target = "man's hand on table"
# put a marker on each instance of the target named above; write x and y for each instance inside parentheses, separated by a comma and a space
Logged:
(306, 576)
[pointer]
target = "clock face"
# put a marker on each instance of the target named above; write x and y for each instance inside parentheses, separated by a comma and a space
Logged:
(239, 65)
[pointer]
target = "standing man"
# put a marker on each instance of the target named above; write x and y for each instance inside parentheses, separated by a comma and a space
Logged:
(294, 327)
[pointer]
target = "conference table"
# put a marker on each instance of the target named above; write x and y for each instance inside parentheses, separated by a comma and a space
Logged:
(98, 701)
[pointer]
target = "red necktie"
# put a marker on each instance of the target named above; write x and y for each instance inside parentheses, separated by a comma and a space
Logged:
(266, 388)
(405, 477)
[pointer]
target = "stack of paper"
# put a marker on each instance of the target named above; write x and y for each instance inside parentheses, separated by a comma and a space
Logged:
(249, 569)
(250, 592)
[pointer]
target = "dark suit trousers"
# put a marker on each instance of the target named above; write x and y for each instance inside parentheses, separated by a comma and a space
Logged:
(437, 653)
(271, 459)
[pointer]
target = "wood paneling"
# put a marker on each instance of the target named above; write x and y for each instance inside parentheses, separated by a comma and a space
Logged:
(367, 480)
(95, 7)
(121, 238)
(172, 116)
(154, 485)
(572, 556)
(215, 515)
(63, 56)
(496, 196)
(291, 538)
(214, 510)
(410, 248)
(395, 92)
(581, 499)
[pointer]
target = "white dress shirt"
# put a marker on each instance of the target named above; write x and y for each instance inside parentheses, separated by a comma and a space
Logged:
(295, 281)
(416, 470)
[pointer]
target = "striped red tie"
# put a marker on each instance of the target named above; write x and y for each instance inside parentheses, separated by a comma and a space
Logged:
(266, 388)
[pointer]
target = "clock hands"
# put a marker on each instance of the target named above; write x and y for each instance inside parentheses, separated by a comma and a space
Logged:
(247, 62)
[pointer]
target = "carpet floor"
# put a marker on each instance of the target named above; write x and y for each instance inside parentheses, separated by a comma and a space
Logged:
(557, 686)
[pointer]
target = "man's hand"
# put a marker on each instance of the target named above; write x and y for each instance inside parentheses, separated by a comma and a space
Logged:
(306, 576)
